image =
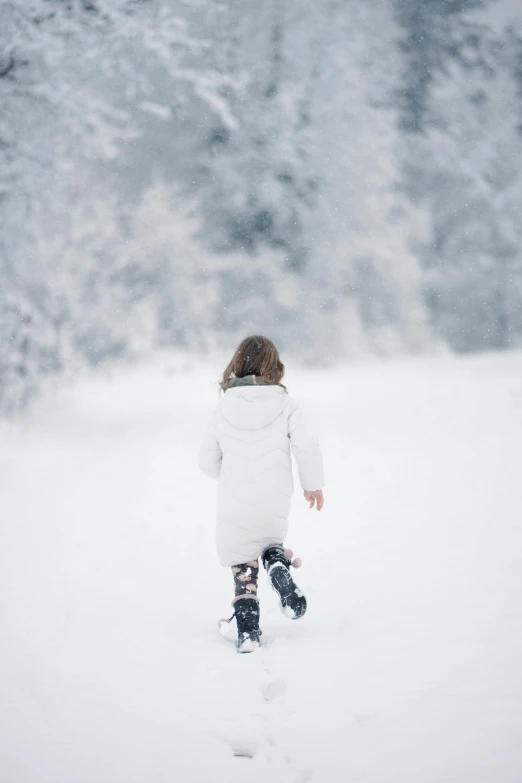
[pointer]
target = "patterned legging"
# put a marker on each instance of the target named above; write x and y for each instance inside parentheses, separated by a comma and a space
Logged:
(245, 578)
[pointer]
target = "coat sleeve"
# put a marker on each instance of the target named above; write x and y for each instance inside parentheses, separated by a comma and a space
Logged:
(210, 454)
(306, 450)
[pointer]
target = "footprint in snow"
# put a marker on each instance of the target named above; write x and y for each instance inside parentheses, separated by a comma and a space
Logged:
(274, 690)
(244, 747)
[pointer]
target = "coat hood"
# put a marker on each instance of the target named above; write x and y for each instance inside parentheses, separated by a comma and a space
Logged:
(253, 407)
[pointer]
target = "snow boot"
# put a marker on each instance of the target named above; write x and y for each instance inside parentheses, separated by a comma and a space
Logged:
(247, 619)
(277, 562)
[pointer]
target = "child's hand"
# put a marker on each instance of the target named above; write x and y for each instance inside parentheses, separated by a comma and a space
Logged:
(313, 497)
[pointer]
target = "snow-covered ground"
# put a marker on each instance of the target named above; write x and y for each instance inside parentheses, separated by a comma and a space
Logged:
(406, 668)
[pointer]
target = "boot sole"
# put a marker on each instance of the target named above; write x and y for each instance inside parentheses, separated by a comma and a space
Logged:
(292, 602)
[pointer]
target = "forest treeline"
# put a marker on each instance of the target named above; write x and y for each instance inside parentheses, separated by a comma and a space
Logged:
(344, 176)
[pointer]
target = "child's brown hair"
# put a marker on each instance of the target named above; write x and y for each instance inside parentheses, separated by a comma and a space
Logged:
(258, 356)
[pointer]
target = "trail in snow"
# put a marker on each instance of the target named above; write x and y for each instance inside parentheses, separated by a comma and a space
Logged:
(406, 667)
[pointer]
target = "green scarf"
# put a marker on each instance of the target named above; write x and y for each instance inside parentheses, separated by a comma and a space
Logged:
(248, 380)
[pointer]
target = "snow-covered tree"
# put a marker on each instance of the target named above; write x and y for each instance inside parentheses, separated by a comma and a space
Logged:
(77, 82)
(306, 172)
(465, 171)
(431, 35)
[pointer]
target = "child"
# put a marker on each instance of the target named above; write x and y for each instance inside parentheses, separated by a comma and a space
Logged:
(247, 447)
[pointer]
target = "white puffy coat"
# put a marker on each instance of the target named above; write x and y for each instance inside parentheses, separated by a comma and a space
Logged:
(247, 447)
